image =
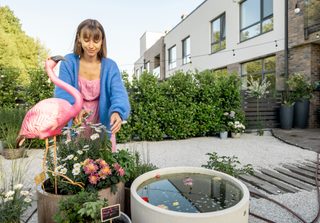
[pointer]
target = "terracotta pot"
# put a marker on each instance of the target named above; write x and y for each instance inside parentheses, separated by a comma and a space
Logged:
(10, 154)
(47, 203)
(235, 135)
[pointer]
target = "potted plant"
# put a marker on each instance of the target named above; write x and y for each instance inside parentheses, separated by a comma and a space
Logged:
(223, 129)
(86, 158)
(83, 207)
(14, 203)
(287, 110)
(236, 129)
(303, 93)
(9, 151)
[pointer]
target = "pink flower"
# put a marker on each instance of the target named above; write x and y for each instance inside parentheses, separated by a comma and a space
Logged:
(94, 178)
(87, 161)
(120, 171)
(91, 168)
(188, 180)
(106, 170)
(102, 163)
(116, 165)
(101, 175)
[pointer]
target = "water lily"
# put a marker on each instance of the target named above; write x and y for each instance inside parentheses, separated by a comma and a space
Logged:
(163, 206)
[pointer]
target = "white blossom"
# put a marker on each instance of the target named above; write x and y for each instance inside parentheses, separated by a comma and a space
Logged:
(24, 192)
(64, 171)
(27, 199)
(80, 152)
(76, 165)
(94, 136)
(9, 193)
(18, 186)
(76, 171)
(70, 157)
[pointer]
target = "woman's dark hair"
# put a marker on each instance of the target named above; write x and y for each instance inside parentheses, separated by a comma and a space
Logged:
(93, 28)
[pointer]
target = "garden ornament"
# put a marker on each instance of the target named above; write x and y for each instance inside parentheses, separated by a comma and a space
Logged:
(48, 117)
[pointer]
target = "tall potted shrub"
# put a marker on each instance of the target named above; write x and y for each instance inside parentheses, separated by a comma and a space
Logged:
(287, 110)
(302, 92)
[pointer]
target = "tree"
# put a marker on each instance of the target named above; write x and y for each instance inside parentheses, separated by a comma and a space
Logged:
(17, 50)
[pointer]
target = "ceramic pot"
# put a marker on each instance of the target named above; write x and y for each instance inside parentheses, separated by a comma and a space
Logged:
(47, 203)
(235, 135)
(224, 135)
(286, 116)
(301, 113)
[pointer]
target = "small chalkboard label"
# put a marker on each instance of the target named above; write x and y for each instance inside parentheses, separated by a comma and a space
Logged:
(109, 213)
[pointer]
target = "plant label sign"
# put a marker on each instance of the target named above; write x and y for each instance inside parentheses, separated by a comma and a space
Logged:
(109, 213)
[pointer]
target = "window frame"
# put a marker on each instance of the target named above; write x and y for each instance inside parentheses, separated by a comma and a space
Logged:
(183, 50)
(169, 61)
(263, 72)
(262, 19)
(221, 39)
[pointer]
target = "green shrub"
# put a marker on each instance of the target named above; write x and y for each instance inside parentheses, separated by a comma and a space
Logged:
(9, 82)
(227, 165)
(39, 88)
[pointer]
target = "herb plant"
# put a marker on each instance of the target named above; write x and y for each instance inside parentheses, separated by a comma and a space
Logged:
(227, 165)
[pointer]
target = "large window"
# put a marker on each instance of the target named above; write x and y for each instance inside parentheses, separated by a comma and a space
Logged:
(223, 71)
(218, 34)
(172, 58)
(311, 16)
(186, 50)
(263, 68)
(256, 18)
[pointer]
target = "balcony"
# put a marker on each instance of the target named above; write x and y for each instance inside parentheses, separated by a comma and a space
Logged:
(311, 17)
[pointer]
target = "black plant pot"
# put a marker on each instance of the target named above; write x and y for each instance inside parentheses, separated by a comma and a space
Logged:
(301, 113)
(286, 116)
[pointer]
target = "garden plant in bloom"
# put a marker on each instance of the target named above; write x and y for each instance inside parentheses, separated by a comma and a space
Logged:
(88, 159)
(14, 203)
(236, 127)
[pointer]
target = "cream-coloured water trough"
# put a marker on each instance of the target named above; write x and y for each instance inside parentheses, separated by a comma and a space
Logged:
(143, 212)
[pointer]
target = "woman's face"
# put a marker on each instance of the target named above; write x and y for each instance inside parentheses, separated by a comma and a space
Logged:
(90, 46)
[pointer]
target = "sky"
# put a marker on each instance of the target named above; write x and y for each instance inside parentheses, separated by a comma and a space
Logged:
(55, 22)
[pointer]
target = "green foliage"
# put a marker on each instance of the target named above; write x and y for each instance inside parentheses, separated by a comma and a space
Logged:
(82, 207)
(17, 50)
(227, 165)
(301, 86)
(183, 106)
(39, 88)
(9, 83)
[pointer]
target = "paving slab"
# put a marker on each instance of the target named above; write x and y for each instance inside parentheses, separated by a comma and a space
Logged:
(304, 138)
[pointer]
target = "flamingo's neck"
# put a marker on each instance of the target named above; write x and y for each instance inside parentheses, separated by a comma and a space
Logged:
(76, 108)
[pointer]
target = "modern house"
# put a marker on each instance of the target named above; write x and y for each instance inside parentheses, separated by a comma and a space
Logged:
(255, 38)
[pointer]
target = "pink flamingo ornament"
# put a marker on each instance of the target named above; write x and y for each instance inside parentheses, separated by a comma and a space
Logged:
(48, 117)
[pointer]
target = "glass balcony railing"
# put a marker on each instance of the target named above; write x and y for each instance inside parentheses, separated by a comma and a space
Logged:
(311, 16)
(156, 71)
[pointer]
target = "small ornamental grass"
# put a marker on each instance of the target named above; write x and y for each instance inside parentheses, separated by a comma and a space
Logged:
(87, 157)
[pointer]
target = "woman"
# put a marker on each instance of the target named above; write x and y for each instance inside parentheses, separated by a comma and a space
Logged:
(96, 77)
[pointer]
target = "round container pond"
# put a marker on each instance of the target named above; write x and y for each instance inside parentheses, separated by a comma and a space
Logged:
(191, 195)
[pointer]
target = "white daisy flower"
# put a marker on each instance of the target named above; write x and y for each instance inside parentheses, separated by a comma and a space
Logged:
(103, 127)
(89, 123)
(97, 129)
(9, 193)
(75, 171)
(67, 141)
(27, 200)
(66, 132)
(75, 158)
(64, 171)
(85, 150)
(70, 157)
(8, 199)
(77, 165)
(94, 136)
(51, 141)
(18, 186)
(79, 152)
(81, 163)
(86, 146)
(82, 127)
(24, 192)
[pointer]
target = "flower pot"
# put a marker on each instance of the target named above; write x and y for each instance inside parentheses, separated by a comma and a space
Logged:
(123, 219)
(224, 135)
(127, 203)
(301, 113)
(286, 116)
(47, 203)
(10, 154)
(235, 135)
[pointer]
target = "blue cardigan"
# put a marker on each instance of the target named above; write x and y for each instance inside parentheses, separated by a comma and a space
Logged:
(113, 95)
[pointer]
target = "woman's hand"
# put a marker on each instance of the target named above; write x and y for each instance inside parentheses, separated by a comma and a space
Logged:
(115, 118)
(79, 116)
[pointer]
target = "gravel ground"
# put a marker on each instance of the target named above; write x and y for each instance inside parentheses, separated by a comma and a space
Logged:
(260, 151)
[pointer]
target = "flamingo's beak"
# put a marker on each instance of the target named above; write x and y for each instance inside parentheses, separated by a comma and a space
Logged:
(58, 58)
